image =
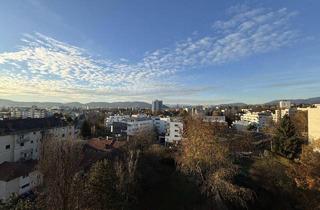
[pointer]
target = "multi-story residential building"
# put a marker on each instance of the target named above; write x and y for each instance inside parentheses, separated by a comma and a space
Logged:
(280, 113)
(257, 119)
(156, 106)
(33, 112)
(138, 125)
(174, 131)
(116, 118)
(214, 119)
(314, 123)
(260, 118)
(160, 124)
(20, 142)
(284, 104)
(284, 109)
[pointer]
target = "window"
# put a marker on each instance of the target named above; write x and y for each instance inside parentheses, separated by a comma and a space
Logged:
(21, 144)
(32, 142)
(8, 146)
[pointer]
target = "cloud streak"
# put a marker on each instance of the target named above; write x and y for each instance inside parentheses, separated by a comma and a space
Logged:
(45, 66)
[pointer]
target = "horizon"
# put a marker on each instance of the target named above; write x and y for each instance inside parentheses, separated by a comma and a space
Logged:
(170, 104)
(199, 52)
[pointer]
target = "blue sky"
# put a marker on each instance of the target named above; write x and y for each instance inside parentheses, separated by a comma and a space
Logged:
(195, 51)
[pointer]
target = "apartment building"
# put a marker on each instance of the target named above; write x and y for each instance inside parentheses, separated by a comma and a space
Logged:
(156, 106)
(280, 113)
(174, 131)
(138, 125)
(20, 142)
(314, 123)
(214, 119)
(261, 119)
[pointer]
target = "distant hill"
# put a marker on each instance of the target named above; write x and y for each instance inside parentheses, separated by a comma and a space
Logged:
(315, 100)
(234, 104)
(135, 104)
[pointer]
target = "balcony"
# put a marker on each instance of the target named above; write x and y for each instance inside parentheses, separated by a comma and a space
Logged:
(23, 140)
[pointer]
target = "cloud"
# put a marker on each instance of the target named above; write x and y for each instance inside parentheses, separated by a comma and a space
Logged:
(45, 66)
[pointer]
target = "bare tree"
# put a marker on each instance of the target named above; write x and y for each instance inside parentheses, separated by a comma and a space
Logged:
(204, 157)
(307, 172)
(59, 162)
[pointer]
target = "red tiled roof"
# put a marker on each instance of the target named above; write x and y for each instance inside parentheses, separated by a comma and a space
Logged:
(104, 144)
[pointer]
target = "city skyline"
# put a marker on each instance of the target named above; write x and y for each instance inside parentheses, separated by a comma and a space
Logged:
(200, 52)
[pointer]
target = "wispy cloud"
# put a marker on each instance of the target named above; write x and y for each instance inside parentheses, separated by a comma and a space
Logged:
(45, 66)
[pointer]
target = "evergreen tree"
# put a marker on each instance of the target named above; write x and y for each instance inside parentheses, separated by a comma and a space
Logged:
(102, 187)
(86, 129)
(286, 141)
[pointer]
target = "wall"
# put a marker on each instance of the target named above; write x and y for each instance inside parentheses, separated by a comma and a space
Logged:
(314, 124)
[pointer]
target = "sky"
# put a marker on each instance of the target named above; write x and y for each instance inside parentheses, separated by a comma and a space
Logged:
(183, 52)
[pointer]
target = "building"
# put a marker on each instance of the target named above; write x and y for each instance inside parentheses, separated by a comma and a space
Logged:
(125, 125)
(284, 104)
(174, 131)
(314, 123)
(136, 126)
(33, 112)
(280, 113)
(20, 142)
(262, 119)
(241, 125)
(160, 124)
(215, 119)
(156, 106)
(256, 119)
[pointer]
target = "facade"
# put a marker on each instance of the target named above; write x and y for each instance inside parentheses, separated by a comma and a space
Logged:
(314, 123)
(169, 130)
(261, 119)
(160, 124)
(20, 142)
(33, 112)
(241, 125)
(284, 104)
(18, 178)
(136, 126)
(116, 118)
(156, 106)
(280, 113)
(214, 119)
(174, 131)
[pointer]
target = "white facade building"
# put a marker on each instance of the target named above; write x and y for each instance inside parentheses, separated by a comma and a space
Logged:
(284, 104)
(280, 113)
(19, 151)
(116, 118)
(25, 179)
(314, 123)
(137, 126)
(214, 119)
(260, 118)
(174, 131)
(161, 124)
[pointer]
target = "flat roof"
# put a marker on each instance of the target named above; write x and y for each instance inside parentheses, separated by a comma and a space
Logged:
(19, 125)
(12, 170)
